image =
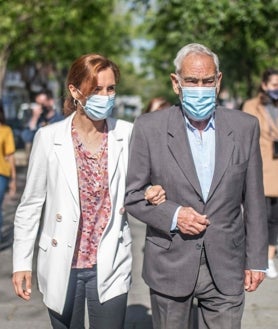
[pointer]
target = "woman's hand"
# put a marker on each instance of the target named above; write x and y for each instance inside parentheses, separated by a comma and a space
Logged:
(155, 195)
(22, 282)
(12, 187)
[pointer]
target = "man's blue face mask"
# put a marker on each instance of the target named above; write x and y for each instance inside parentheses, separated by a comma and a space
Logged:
(198, 103)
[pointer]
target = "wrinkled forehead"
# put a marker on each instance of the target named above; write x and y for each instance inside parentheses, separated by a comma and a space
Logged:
(198, 65)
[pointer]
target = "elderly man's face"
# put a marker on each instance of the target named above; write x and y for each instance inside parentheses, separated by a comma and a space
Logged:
(198, 70)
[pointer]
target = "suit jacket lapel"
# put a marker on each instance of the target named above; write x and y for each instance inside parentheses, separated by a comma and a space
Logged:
(65, 153)
(224, 145)
(179, 147)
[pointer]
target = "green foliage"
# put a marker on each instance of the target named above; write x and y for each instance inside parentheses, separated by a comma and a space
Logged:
(58, 31)
(52, 33)
(242, 32)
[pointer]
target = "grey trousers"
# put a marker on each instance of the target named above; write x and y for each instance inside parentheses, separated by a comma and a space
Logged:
(214, 310)
(83, 285)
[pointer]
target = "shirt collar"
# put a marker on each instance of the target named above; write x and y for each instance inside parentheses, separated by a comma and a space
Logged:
(211, 123)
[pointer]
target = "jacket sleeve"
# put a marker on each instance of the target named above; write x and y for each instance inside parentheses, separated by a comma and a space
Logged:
(28, 213)
(255, 208)
(139, 178)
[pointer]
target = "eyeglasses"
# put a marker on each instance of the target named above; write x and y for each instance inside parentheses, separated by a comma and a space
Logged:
(192, 82)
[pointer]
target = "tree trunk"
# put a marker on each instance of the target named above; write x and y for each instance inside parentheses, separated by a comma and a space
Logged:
(4, 55)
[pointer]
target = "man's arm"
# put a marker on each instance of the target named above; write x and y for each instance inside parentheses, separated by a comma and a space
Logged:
(255, 217)
(139, 178)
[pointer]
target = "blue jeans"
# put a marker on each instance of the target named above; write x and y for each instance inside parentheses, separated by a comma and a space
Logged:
(4, 180)
(83, 285)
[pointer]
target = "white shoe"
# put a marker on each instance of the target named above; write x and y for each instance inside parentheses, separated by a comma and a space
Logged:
(271, 272)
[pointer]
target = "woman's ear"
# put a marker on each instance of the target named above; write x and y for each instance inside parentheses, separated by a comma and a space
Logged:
(73, 91)
(264, 86)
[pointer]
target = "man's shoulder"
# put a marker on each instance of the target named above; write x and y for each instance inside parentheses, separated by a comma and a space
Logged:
(236, 114)
(158, 117)
(238, 120)
(56, 117)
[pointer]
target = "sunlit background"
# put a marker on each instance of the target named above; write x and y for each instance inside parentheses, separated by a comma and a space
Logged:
(39, 39)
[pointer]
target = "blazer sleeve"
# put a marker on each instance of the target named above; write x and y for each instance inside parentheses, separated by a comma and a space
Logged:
(139, 178)
(29, 210)
(255, 208)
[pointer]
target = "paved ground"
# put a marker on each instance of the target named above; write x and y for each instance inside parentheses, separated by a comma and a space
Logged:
(261, 310)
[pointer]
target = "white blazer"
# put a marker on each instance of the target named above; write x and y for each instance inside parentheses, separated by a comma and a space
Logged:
(51, 194)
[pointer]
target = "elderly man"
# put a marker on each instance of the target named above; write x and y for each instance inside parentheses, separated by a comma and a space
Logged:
(199, 243)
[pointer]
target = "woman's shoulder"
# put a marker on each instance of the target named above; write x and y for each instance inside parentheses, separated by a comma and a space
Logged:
(6, 129)
(119, 124)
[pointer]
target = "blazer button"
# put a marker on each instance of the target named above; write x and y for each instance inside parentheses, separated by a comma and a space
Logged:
(122, 211)
(54, 243)
(198, 246)
(58, 217)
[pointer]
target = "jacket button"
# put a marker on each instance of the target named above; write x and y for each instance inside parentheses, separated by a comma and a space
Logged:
(198, 246)
(54, 243)
(58, 217)
(122, 211)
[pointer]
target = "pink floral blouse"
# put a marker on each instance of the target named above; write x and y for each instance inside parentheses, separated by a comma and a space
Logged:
(95, 201)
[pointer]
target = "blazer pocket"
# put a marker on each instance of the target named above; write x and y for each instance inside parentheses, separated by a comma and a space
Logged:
(44, 242)
(159, 241)
(239, 241)
(238, 168)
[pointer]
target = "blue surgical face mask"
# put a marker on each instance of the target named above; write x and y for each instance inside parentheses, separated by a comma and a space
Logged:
(198, 103)
(99, 107)
(273, 94)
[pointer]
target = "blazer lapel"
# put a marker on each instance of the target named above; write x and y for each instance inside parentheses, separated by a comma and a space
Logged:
(178, 144)
(224, 146)
(115, 147)
(65, 153)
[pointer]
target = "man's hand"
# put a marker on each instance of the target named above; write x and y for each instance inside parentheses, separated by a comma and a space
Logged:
(155, 195)
(253, 279)
(191, 222)
(22, 282)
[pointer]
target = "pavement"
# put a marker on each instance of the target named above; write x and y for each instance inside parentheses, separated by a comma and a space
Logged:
(261, 309)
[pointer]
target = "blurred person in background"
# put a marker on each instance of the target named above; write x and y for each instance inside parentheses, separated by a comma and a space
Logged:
(265, 107)
(157, 103)
(7, 163)
(77, 174)
(43, 113)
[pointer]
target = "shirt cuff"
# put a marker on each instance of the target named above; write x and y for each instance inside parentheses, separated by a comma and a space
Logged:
(175, 220)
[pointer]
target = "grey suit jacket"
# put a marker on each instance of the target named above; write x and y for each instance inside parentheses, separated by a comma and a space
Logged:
(235, 240)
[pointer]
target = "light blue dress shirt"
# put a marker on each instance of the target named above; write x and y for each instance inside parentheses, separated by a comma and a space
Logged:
(202, 146)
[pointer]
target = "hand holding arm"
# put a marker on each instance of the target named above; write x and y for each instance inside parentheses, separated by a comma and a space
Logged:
(191, 222)
(155, 195)
(22, 282)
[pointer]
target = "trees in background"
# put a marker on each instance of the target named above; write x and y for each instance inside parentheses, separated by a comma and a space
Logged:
(242, 32)
(42, 38)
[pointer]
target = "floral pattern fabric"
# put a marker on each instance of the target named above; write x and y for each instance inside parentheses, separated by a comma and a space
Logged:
(95, 203)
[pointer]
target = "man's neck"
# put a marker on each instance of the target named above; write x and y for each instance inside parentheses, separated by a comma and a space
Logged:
(200, 125)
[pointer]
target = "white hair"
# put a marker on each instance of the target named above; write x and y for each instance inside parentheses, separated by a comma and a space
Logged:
(195, 48)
